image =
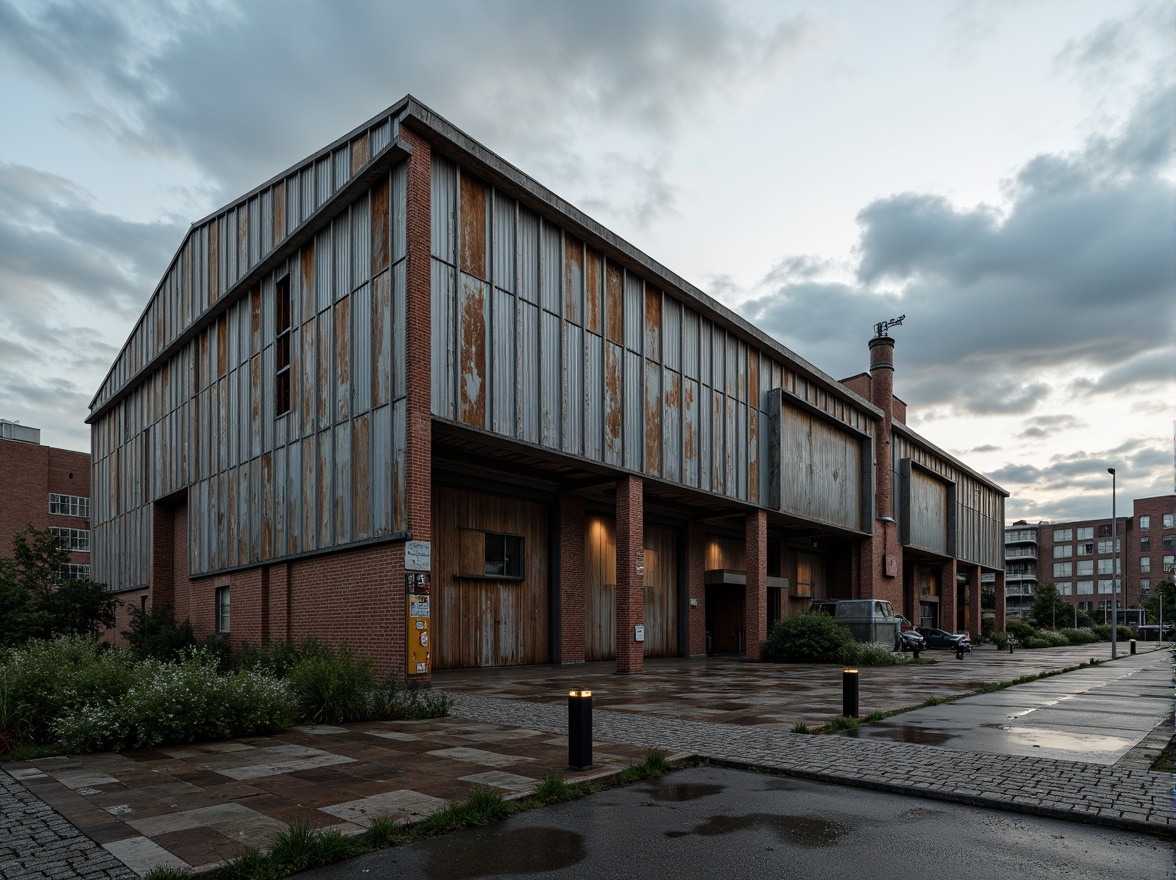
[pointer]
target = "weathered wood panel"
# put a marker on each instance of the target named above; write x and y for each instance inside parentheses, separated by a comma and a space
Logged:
(926, 511)
(472, 311)
(472, 229)
(661, 592)
(481, 621)
(600, 588)
(820, 469)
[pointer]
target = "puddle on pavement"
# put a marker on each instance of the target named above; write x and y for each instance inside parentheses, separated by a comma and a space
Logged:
(796, 830)
(1067, 742)
(685, 791)
(523, 851)
(904, 733)
(783, 785)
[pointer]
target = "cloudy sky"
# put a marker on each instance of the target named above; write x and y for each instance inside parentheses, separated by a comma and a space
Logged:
(998, 171)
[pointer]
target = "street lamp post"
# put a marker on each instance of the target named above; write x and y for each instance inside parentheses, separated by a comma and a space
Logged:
(1114, 573)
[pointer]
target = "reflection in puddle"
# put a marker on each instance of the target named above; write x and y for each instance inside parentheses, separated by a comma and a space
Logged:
(680, 792)
(796, 830)
(523, 851)
(903, 733)
(1067, 742)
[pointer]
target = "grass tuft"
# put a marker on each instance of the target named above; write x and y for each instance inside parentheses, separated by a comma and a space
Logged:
(800, 727)
(552, 789)
(162, 873)
(383, 833)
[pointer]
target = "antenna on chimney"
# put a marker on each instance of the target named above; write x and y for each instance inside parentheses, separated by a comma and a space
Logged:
(882, 326)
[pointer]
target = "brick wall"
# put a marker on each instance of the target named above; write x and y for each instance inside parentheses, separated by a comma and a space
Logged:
(756, 598)
(571, 578)
(28, 474)
(630, 606)
(696, 586)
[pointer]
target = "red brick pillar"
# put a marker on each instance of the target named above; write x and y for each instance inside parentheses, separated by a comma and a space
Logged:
(975, 616)
(999, 584)
(948, 597)
(163, 538)
(571, 578)
(630, 574)
(880, 580)
(418, 500)
(696, 588)
(755, 606)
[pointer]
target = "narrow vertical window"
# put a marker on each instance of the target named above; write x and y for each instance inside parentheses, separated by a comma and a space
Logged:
(282, 343)
(222, 609)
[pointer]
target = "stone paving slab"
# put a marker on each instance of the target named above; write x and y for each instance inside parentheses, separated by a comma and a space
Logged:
(1136, 800)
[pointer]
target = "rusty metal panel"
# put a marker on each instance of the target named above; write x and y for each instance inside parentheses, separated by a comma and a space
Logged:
(443, 208)
(717, 356)
(255, 396)
(293, 207)
(443, 341)
(311, 490)
(614, 404)
(399, 465)
(295, 528)
(380, 218)
(653, 418)
(820, 474)
(634, 407)
(551, 267)
(473, 207)
(306, 200)
(502, 365)
(361, 478)
(323, 281)
(528, 250)
(361, 349)
(529, 370)
(634, 317)
(255, 226)
(230, 422)
(399, 330)
(691, 438)
(361, 240)
(325, 398)
(730, 368)
(277, 214)
(341, 345)
(614, 299)
(381, 339)
(243, 426)
(267, 318)
(550, 381)
(472, 310)
(324, 502)
(228, 248)
(741, 357)
(593, 397)
(756, 423)
(753, 379)
(342, 479)
(653, 324)
(382, 135)
(503, 235)
(307, 360)
(232, 337)
(741, 451)
(573, 279)
(573, 402)
(718, 470)
(672, 333)
(278, 546)
(342, 159)
(672, 426)
(399, 205)
(306, 282)
(230, 546)
(256, 511)
(730, 448)
(593, 291)
(381, 470)
(266, 384)
(341, 235)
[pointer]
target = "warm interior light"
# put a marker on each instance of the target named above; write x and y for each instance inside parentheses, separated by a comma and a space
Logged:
(579, 693)
(850, 671)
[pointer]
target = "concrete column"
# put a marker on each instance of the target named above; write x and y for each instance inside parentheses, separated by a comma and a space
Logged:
(571, 578)
(630, 574)
(755, 606)
(696, 588)
(1000, 601)
(975, 616)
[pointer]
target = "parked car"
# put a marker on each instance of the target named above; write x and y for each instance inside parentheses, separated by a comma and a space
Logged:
(909, 638)
(941, 638)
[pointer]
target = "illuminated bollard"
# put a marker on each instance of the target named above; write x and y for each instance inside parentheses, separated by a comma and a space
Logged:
(1133, 646)
(579, 729)
(849, 693)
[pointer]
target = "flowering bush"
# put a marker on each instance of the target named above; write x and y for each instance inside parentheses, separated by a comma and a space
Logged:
(179, 702)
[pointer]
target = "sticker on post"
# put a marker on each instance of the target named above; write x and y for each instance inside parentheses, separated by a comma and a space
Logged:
(639, 633)
(418, 556)
(418, 607)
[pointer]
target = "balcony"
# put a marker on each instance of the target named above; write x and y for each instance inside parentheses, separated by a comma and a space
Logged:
(1021, 553)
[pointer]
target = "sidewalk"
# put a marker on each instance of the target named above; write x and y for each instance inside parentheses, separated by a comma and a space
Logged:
(198, 805)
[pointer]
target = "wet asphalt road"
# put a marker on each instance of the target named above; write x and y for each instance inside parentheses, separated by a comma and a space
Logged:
(714, 823)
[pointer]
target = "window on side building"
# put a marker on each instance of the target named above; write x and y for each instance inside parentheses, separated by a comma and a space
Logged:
(282, 346)
(222, 609)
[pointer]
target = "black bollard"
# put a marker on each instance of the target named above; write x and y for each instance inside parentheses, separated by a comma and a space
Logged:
(849, 693)
(1133, 646)
(580, 729)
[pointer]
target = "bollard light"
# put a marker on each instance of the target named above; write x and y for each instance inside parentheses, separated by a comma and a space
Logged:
(579, 729)
(849, 693)
(1133, 646)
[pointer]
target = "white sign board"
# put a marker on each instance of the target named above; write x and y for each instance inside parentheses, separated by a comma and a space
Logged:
(418, 556)
(639, 633)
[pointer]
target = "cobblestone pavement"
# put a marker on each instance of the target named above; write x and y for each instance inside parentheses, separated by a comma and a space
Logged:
(38, 844)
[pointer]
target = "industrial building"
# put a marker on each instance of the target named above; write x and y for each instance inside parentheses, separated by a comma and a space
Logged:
(46, 488)
(404, 396)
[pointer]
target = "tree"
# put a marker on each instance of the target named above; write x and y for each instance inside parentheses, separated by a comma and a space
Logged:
(33, 606)
(1049, 608)
(1163, 594)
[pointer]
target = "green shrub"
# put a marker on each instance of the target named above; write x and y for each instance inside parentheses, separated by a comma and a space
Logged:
(156, 635)
(1023, 631)
(1000, 639)
(808, 638)
(1103, 631)
(1079, 636)
(1125, 633)
(334, 687)
(1052, 639)
(987, 628)
(44, 679)
(299, 848)
(870, 655)
(1036, 642)
(178, 703)
(391, 700)
(279, 656)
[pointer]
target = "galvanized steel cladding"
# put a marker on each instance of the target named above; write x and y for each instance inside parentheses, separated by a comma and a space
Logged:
(543, 338)
(264, 485)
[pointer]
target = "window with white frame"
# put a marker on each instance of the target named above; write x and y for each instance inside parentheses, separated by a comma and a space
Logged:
(1144, 523)
(76, 540)
(69, 505)
(1085, 566)
(1169, 561)
(1085, 533)
(1145, 563)
(1063, 569)
(1145, 587)
(1105, 546)
(1144, 544)
(1169, 520)
(1063, 535)
(1065, 588)
(1063, 551)
(1106, 585)
(1107, 566)
(222, 609)
(1085, 588)
(1086, 549)
(71, 571)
